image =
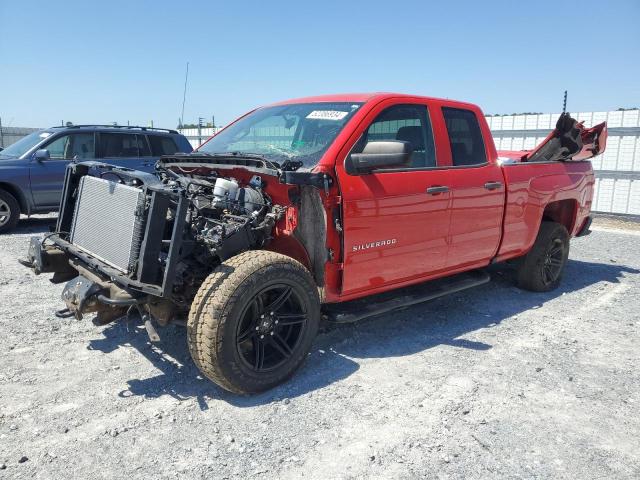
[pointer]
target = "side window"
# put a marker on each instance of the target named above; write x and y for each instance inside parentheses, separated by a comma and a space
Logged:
(409, 123)
(162, 145)
(465, 137)
(124, 145)
(143, 146)
(72, 146)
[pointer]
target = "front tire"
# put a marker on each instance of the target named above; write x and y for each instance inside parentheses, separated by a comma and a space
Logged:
(9, 212)
(253, 320)
(541, 269)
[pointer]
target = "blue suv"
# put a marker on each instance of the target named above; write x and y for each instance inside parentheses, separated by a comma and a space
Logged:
(32, 169)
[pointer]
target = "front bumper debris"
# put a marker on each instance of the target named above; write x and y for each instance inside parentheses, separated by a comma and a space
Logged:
(85, 291)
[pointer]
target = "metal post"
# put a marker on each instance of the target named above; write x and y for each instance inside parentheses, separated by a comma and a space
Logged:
(1, 135)
(184, 94)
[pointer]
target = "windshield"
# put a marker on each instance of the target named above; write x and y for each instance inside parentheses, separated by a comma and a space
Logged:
(23, 145)
(299, 132)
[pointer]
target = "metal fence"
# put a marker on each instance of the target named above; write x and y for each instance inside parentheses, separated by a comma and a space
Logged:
(617, 188)
(197, 136)
(9, 135)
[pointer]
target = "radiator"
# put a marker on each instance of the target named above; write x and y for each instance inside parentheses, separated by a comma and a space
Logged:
(108, 221)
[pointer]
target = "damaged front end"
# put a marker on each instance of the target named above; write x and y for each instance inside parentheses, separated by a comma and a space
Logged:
(126, 240)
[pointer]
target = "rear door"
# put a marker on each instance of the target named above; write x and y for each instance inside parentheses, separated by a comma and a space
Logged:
(126, 149)
(478, 193)
(47, 176)
(395, 223)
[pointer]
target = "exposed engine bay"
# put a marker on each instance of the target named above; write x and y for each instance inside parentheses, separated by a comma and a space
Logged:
(224, 217)
(150, 240)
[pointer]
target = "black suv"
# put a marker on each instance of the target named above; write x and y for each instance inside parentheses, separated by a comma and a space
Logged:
(32, 169)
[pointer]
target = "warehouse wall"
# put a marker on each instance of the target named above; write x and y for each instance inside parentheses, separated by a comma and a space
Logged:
(617, 187)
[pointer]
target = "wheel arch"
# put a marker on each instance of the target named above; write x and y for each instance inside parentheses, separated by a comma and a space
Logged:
(563, 212)
(17, 194)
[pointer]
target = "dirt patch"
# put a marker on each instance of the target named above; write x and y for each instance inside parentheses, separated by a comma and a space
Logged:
(492, 382)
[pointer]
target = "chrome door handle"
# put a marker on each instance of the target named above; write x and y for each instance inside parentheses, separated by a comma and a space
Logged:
(437, 189)
(492, 185)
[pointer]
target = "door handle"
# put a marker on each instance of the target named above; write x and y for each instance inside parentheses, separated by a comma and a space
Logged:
(492, 185)
(437, 189)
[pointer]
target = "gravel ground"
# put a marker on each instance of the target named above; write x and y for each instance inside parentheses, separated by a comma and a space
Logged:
(492, 382)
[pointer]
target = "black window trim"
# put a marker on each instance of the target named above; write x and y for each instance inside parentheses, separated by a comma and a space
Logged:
(52, 138)
(484, 146)
(98, 140)
(168, 137)
(402, 169)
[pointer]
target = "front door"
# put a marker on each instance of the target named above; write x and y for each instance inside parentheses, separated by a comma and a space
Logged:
(47, 176)
(396, 222)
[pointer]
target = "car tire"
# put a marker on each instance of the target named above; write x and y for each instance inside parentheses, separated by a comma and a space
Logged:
(9, 212)
(542, 268)
(253, 321)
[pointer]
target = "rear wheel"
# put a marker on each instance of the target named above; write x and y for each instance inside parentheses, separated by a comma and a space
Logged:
(253, 321)
(9, 212)
(541, 269)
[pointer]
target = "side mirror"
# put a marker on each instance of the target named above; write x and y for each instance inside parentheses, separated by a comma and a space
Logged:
(376, 155)
(42, 155)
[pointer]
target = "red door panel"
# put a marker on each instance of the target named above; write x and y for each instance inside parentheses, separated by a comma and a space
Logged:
(476, 214)
(393, 230)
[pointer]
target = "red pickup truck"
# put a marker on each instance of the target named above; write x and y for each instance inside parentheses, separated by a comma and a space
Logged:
(321, 206)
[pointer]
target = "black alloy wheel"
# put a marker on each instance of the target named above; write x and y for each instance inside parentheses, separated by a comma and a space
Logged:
(553, 262)
(271, 327)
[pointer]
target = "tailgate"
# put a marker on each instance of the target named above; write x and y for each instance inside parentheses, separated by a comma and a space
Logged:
(570, 140)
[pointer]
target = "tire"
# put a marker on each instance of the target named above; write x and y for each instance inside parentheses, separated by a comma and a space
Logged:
(229, 339)
(542, 268)
(9, 212)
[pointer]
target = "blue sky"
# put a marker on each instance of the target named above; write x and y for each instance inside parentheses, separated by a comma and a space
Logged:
(122, 61)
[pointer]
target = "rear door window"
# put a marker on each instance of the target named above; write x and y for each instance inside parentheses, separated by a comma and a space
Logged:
(465, 137)
(121, 145)
(162, 145)
(72, 146)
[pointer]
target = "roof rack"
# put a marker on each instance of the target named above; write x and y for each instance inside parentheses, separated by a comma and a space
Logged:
(130, 127)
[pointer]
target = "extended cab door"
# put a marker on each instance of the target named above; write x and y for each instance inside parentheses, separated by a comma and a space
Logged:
(395, 221)
(477, 190)
(47, 176)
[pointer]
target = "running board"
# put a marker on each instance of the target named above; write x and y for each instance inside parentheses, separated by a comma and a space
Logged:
(355, 310)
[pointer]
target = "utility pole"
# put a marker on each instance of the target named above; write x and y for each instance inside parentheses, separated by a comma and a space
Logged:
(1, 135)
(184, 94)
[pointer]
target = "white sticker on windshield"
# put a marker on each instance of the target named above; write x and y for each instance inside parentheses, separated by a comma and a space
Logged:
(327, 115)
(44, 134)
